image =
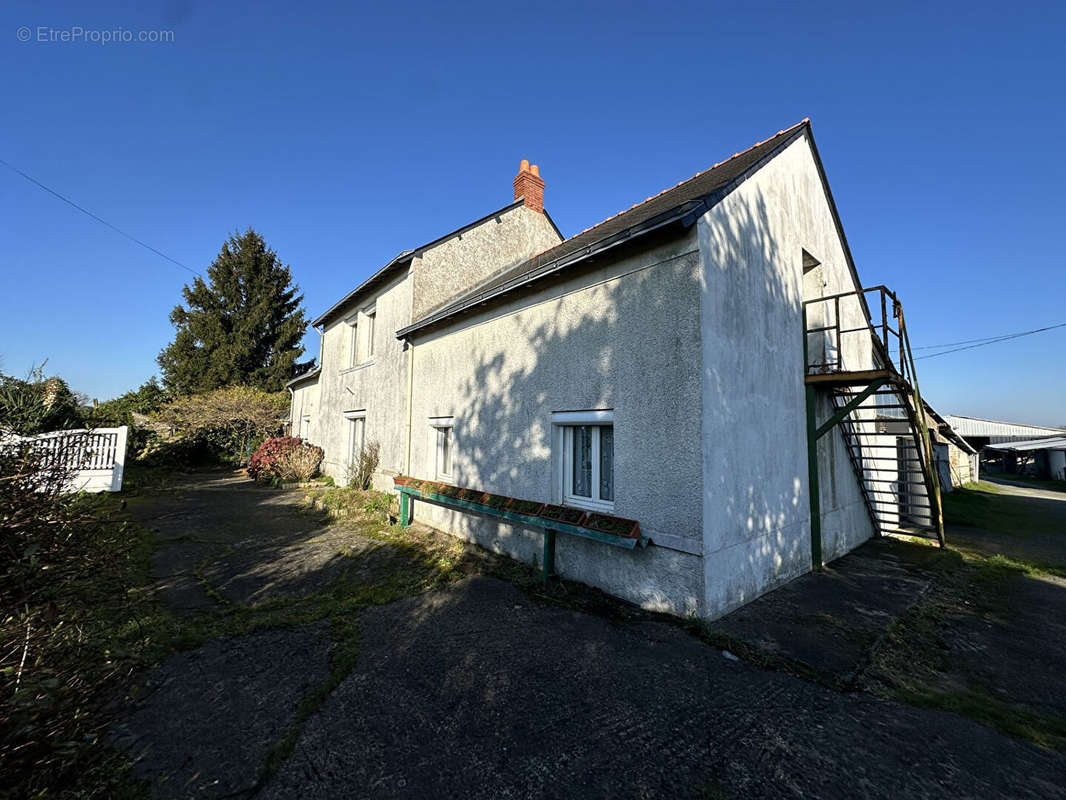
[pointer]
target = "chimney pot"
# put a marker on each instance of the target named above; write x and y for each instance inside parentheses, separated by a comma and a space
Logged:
(529, 186)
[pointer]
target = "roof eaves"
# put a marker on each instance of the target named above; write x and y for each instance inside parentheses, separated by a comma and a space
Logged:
(476, 297)
(404, 257)
(408, 255)
(950, 432)
(836, 217)
(1049, 443)
(311, 373)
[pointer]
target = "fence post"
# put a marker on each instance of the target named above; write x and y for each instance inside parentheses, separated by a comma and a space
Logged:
(120, 459)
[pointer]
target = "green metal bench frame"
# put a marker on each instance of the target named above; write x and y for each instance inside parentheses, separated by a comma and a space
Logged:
(549, 526)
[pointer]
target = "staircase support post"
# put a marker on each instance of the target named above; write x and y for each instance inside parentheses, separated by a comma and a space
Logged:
(813, 488)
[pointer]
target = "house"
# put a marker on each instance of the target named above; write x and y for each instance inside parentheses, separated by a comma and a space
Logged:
(696, 363)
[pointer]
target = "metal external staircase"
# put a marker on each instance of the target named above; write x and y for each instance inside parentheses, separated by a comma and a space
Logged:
(860, 375)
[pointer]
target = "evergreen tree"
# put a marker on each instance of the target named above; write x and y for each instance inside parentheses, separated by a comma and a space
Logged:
(243, 327)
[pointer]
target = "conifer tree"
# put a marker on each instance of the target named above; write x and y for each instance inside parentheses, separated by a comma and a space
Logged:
(242, 327)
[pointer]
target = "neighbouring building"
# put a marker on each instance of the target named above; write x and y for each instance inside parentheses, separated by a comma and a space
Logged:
(1043, 458)
(982, 432)
(697, 363)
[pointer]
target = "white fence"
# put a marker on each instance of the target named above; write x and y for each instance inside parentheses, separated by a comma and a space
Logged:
(97, 455)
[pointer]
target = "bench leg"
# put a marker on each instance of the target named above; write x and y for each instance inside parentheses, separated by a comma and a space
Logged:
(548, 565)
(405, 509)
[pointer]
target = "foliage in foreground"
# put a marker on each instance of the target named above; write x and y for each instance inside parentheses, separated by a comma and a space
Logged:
(66, 572)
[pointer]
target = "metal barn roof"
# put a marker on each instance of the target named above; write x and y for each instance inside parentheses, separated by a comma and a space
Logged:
(975, 426)
(1055, 443)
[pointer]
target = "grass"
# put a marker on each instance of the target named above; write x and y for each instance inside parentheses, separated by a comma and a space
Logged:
(984, 505)
(1053, 485)
(96, 625)
(110, 628)
(912, 664)
(84, 629)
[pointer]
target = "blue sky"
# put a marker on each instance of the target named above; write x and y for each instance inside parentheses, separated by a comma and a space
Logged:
(344, 136)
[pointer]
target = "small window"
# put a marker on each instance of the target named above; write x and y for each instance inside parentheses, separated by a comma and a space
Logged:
(353, 343)
(443, 448)
(368, 332)
(586, 458)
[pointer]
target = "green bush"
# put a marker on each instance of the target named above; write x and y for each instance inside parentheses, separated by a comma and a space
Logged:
(225, 425)
(38, 405)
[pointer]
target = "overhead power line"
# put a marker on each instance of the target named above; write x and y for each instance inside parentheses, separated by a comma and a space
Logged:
(88, 213)
(991, 340)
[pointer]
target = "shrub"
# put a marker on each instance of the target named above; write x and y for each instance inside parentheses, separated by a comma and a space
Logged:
(265, 462)
(361, 471)
(37, 404)
(300, 463)
(34, 511)
(225, 422)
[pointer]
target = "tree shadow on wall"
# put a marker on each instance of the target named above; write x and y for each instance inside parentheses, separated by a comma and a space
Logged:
(623, 333)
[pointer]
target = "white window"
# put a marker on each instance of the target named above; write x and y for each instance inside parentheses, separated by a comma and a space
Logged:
(586, 458)
(443, 448)
(368, 331)
(356, 435)
(353, 342)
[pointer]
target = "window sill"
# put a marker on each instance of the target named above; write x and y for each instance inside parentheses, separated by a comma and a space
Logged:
(588, 505)
(357, 367)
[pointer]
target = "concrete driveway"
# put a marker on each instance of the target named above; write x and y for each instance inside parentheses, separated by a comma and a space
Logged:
(481, 689)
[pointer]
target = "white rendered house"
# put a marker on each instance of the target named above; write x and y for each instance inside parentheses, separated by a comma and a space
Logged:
(675, 364)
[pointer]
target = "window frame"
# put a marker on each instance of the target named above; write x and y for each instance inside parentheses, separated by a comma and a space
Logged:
(443, 426)
(565, 423)
(370, 319)
(355, 417)
(353, 341)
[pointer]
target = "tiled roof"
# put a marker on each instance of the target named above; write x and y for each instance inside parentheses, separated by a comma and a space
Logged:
(689, 191)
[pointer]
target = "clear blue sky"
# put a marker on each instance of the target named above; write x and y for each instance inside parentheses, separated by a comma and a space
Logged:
(344, 136)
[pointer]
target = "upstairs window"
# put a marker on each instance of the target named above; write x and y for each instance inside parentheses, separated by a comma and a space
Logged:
(361, 337)
(368, 331)
(353, 342)
(586, 458)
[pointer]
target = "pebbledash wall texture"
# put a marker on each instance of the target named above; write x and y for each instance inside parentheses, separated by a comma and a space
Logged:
(680, 319)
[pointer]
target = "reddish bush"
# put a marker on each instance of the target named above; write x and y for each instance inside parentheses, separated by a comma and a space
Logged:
(275, 457)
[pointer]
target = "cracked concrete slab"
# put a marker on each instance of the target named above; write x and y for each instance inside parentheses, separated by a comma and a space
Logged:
(211, 715)
(829, 620)
(477, 692)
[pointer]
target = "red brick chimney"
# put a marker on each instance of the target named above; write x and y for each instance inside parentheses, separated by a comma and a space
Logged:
(529, 185)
